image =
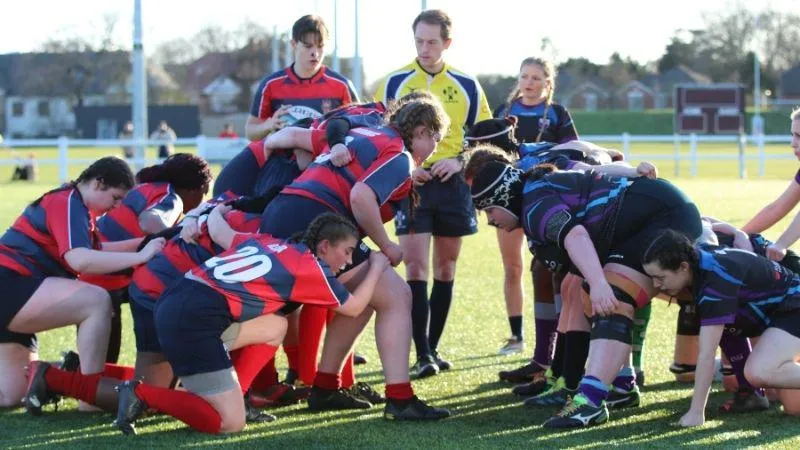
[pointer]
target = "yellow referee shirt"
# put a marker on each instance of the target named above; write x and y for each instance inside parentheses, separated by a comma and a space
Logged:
(460, 93)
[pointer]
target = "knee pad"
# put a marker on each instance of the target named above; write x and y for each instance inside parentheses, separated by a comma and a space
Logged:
(615, 327)
(688, 320)
(627, 290)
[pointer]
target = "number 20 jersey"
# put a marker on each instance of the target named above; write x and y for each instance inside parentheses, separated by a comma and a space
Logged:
(260, 274)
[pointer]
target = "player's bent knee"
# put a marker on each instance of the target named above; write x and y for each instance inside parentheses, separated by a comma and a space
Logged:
(232, 422)
(615, 327)
(757, 374)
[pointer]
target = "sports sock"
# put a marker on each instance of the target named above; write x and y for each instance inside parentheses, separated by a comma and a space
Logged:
(625, 379)
(123, 373)
(737, 349)
(327, 381)
(576, 350)
(72, 384)
(399, 393)
(640, 321)
(249, 360)
(546, 320)
(185, 406)
(266, 377)
(557, 365)
(115, 336)
(515, 322)
(420, 316)
(348, 374)
(593, 389)
(312, 324)
(292, 355)
(441, 298)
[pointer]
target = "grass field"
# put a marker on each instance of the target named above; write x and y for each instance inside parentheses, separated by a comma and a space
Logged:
(485, 414)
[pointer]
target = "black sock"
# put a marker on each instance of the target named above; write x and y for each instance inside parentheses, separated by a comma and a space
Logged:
(420, 315)
(516, 326)
(557, 365)
(576, 350)
(441, 297)
(115, 337)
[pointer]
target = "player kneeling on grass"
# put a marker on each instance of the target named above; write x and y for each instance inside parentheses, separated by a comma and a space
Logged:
(600, 225)
(248, 289)
(739, 288)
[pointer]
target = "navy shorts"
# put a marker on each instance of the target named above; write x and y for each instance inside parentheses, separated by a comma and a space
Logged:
(17, 290)
(242, 176)
(288, 215)
(144, 327)
(190, 318)
(445, 210)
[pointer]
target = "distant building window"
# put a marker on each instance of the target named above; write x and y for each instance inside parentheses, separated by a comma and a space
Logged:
(43, 107)
(635, 100)
(18, 109)
(590, 101)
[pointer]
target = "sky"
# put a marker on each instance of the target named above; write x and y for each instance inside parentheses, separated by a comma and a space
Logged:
(488, 37)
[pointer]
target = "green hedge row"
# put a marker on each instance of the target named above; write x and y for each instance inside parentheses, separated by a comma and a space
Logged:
(657, 122)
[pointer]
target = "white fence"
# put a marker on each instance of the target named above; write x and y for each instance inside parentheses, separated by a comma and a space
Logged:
(221, 150)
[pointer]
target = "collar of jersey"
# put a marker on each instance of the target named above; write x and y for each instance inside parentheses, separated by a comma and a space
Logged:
(296, 78)
(418, 67)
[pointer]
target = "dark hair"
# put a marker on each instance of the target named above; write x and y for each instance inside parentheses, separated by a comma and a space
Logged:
(486, 131)
(112, 171)
(181, 170)
(669, 249)
(476, 158)
(310, 24)
(434, 17)
(550, 73)
(326, 226)
(538, 171)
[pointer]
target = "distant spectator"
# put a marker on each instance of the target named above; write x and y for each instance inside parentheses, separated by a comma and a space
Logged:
(164, 133)
(227, 132)
(26, 170)
(127, 134)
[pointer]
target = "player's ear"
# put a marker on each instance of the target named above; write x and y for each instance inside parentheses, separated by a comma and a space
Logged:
(323, 247)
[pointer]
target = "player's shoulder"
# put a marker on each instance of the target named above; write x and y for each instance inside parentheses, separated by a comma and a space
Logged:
(334, 75)
(461, 76)
(275, 76)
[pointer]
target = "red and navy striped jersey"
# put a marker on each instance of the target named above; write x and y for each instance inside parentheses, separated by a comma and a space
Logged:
(260, 274)
(356, 114)
(380, 161)
(122, 223)
(37, 241)
(179, 256)
(321, 93)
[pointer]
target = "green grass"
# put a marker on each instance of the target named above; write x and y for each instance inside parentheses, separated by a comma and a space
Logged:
(485, 414)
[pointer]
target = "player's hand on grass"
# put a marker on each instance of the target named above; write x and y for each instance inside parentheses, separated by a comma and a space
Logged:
(692, 419)
(394, 253)
(602, 298)
(340, 155)
(420, 176)
(776, 252)
(446, 168)
(152, 248)
(647, 169)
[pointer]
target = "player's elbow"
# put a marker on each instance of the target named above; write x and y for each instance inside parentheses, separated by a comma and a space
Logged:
(361, 196)
(78, 260)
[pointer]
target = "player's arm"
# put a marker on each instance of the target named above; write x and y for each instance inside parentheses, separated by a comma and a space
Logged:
(582, 253)
(129, 245)
(90, 261)
(775, 211)
(777, 251)
(709, 338)
(290, 137)
(740, 238)
(219, 229)
(366, 210)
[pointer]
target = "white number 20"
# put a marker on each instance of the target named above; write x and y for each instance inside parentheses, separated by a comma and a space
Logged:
(228, 269)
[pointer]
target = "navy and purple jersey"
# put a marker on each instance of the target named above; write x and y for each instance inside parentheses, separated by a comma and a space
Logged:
(557, 126)
(791, 261)
(37, 241)
(532, 154)
(736, 286)
(309, 97)
(260, 274)
(380, 161)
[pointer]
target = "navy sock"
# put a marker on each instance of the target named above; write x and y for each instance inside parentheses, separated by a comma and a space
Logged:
(420, 315)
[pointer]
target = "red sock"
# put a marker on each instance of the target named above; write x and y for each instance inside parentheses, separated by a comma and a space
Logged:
(123, 373)
(328, 381)
(312, 323)
(266, 378)
(185, 406)
(248, 362)
(293, 355)
(399, 391)
(348, 376)
(73, 384)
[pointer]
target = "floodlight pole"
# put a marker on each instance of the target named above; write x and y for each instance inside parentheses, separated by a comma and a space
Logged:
(335, 57)
(757, 125)
(139, 103)
(357, 60)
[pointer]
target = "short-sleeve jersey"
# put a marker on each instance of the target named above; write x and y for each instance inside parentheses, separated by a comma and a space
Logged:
(179, 256)
(558, 126)
(122, 223)
(532, 154)
(356, 115)
(260, 274)
(309, 97)
(380, 161)
(461, 94)
(557, 202)
(737, 286)
(37, 241)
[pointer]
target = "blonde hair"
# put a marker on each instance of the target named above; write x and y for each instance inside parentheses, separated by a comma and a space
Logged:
(550, 74)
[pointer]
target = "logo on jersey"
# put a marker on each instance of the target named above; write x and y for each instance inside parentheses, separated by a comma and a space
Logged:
(450, 94)
(544, 123)
(400, 220)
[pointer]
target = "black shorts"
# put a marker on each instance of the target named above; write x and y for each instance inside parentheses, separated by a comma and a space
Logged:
(445, 210)
(242, 176)
(288, 215)
(17, 290)
(144, 327)
(648, 208)
(788, 322)
(190, 318)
